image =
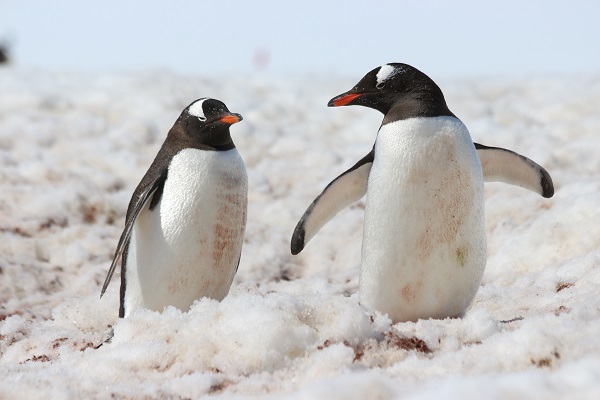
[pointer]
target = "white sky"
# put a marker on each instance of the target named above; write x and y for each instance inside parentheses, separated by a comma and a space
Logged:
(347, 37)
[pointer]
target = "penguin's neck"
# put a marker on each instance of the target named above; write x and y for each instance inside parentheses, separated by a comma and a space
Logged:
(421, 104)
(216, 137)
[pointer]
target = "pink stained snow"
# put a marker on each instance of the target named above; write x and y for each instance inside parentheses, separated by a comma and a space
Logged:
(74, 146)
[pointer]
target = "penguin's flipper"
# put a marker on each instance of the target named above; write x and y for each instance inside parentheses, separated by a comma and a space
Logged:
(502, 165)
(149, 189)
(340, 193)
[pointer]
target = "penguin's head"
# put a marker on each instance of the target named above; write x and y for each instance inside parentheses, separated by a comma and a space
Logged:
(208, 120)
(386, 86)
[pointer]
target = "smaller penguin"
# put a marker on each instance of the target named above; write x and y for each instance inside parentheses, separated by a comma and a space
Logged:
(185, 222)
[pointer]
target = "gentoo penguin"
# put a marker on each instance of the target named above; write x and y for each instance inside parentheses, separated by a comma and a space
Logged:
(185, 222)
(424, 245)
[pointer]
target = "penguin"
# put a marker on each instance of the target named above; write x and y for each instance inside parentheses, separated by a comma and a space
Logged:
(185, 222)
(424, 244)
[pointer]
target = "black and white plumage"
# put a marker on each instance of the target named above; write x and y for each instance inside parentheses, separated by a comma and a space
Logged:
(502, 165)
(185, 222)
(423, 250)
(498, 165)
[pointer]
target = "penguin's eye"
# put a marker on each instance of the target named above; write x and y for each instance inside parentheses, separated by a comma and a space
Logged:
(380, 85)
(202, 119)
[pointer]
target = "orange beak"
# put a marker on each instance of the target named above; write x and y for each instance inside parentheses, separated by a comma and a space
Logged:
(343, 99)
(231, 119)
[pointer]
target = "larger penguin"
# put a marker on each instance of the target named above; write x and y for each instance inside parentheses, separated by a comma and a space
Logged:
(424, 245)
(186, 219)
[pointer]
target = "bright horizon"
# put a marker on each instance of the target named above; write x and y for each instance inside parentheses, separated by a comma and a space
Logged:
(461, 38)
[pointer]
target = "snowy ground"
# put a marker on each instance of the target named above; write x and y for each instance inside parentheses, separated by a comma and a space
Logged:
(73, 147)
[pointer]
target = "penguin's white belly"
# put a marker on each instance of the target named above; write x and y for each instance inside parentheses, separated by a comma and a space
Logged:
(189, 246)
(424, 245)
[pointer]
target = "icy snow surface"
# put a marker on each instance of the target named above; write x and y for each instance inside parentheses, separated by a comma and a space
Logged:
(74, 146)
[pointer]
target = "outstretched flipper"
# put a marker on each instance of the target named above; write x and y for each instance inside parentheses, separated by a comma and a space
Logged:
(498, 165)
(502, 165)
(339, 194)
(149, 189)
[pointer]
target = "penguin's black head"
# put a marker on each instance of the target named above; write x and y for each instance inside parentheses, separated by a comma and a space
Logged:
(208, 120)
(396, 86)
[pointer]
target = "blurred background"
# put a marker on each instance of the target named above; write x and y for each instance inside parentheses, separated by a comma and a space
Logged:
(444, 38)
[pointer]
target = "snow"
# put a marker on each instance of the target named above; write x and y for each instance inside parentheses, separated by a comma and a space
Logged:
(73, 146)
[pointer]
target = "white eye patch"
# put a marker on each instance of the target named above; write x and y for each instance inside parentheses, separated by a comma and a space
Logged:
(197, 111)
(386, 72)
